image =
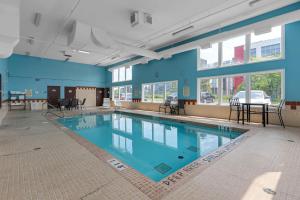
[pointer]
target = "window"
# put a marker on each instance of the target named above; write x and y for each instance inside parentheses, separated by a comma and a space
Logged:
(147, 93)
(266, 88)
(129, 73)
(270, 50)
(115, 75)
(246, 48)
(209, 57)
(231, 86)
(262, 87)
(158, 92)
(233, 51)
(122, 74)
(209, 91)
(268, 45)
(124, 93)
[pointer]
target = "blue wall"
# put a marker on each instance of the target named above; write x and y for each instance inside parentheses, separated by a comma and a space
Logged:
(4, 73)
(34, 73)
(183, 67)
(292, 71)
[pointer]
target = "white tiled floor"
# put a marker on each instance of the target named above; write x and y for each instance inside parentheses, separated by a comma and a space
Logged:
(63, 169)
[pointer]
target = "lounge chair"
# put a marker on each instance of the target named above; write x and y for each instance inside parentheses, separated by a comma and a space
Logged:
(277, 110)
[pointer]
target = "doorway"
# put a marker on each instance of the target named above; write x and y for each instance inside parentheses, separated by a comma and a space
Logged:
(70, 93)
(99, 96)
(53, 95)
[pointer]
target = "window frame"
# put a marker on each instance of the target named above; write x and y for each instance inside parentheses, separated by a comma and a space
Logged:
(246, 53)
(164, 82)
(247, 85)
(125, 76)
(113, 95)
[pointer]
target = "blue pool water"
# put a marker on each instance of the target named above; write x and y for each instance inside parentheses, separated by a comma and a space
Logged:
(153, 146)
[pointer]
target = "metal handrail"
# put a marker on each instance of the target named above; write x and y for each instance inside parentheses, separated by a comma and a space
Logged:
(51, 110)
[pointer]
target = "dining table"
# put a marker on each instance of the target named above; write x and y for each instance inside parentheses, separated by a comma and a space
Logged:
(264, 111)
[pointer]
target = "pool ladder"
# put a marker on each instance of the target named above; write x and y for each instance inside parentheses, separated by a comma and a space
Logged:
(225, 128)
(51, 109)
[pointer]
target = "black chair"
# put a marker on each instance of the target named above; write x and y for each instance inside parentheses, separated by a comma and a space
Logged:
(74, 104)
(277, 110)
(165, 105)
(178, 107)
(68, 104)
(235, 106)
(81, 105)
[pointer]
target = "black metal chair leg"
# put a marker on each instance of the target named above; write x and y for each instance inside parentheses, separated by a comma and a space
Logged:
(281, 120)
(230, 115)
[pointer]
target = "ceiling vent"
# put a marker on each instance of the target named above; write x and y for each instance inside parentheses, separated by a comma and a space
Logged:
(138, 18)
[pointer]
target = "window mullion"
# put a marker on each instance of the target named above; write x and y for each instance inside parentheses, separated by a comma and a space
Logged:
(220, 53)
(247, 48)
(219, 90)
(153, 85)
(248, 88)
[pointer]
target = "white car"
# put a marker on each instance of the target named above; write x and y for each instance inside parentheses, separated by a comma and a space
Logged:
(257, 96)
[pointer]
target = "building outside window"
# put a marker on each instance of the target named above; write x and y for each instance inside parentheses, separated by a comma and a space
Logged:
(158, 92)
(123, 93)
(270, 50)
(121, 74)
(259, 87)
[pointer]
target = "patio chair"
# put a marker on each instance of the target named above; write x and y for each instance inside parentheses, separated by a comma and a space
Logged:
(277, 110)
(235, 106)
(165, 105)
(81, 105)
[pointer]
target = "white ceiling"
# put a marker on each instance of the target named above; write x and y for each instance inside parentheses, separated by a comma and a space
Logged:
(50, 37)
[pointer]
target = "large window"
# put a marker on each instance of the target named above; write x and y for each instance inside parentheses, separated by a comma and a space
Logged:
(246, 48)
(262, 87)
(123, 93)
(158, 92)
(122, 74)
